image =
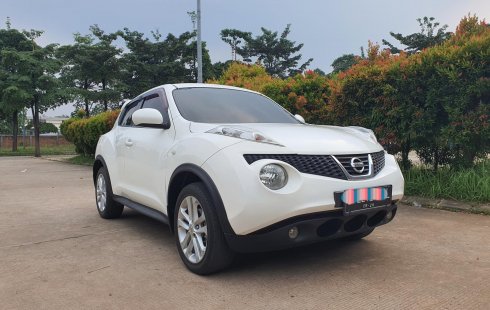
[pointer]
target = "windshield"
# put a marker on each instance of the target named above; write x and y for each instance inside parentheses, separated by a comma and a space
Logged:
(224, 106)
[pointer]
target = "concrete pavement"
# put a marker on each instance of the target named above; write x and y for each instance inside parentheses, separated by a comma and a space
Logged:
(57, 253)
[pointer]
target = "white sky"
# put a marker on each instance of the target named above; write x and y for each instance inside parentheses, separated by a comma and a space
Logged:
(327, 28)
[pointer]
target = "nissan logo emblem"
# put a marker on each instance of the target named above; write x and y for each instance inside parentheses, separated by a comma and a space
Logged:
(357, 164)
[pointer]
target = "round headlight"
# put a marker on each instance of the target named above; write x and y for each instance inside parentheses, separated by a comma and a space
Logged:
(273, 176)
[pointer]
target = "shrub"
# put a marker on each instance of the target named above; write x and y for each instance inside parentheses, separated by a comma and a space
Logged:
(85, 133)
(48, 128)
(304, 94)
(253, 77)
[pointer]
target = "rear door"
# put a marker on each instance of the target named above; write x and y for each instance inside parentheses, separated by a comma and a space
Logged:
(146, 156)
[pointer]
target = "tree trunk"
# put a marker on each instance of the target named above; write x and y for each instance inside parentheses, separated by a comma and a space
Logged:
(468, 157)
(37, 151)
(87, 108)
(405, 151)
(436, 158)
(15, 129)
(103, 89)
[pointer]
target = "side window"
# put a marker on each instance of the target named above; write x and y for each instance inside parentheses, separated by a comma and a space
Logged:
(126, 120)
(154, 102)
(159, 103)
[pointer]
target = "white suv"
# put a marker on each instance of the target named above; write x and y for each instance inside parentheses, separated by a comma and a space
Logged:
(231, 171)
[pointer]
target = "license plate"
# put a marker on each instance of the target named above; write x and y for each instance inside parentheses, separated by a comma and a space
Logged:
(363, 199)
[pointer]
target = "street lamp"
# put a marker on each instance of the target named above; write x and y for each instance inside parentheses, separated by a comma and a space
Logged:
(199, 44)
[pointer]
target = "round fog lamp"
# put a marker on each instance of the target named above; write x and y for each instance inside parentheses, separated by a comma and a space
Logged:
(273, 176)
(389, 215)
(293, 232)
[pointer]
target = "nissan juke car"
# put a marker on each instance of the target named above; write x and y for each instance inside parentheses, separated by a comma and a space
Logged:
(231, 171)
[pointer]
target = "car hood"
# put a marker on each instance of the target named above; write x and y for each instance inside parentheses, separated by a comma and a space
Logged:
(308, 139)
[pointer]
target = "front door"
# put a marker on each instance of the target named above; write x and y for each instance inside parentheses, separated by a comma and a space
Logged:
(146, 157)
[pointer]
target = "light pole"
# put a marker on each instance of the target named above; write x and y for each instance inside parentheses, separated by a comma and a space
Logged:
(199, 44)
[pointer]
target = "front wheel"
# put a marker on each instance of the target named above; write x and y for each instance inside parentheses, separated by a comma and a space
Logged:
(200, 240)
(107, 207)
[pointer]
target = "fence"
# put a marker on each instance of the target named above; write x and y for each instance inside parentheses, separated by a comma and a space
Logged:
(46, 140)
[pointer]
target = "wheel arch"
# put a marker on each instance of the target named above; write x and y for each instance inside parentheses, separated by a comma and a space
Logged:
(187, 174)
(98, 163)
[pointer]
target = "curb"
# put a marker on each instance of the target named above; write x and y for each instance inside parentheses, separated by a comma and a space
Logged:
(444, 204)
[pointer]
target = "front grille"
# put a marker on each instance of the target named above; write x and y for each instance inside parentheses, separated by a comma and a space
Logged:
(372, 164)
(378, 161)
(337, 166)
(345, 161)
(323, 165)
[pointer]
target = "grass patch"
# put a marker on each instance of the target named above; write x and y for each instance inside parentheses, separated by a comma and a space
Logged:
(65, 149)
(472, 184)
(84, 160)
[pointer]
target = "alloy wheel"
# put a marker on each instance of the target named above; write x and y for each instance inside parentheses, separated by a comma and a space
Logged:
(192, 229)
(101, 193)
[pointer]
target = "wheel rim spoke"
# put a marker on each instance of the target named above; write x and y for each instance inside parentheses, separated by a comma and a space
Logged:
(183, 224)
(185, 215)
(188, 204)
(200, 219)
(185, 243)
(196, 247)
(189, 247)
(200, 243)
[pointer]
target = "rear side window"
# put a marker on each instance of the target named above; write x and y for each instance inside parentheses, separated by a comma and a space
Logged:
(126, 119)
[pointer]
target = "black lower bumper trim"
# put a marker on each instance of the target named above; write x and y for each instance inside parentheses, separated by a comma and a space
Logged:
(312, 228)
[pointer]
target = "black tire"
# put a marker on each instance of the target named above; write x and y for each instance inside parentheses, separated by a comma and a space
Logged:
(217, 255)
(359, 236)
(111, 209)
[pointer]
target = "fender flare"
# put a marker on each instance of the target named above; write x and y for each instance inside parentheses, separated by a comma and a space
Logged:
(96, 167)
(210, 187)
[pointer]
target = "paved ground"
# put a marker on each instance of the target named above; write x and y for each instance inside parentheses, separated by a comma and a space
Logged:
(56, 253)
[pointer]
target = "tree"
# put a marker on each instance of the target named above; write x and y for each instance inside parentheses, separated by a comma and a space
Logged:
(13, 98)
(276, 52)
(91, 68)
(320, 72)
(428, 36)
(42, 88)
(219, 68)
(43, 127)
(152, 62)
(79, 67)
(107, 59)
(234, 38)
(344, 62)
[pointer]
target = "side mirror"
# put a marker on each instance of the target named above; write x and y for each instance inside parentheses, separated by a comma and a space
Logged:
(149, 118)
(300, 118)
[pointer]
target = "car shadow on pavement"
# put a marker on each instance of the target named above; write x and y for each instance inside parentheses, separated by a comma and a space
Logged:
(149, 228)
(336, 254)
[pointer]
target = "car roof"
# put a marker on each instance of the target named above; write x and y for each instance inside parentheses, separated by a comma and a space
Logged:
(191, 85)
(205, 85)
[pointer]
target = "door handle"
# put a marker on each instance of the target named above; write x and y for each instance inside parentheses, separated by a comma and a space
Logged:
(129, 142)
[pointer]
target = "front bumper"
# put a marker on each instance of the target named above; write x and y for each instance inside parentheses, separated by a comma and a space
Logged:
(250, 206)
(312, 228)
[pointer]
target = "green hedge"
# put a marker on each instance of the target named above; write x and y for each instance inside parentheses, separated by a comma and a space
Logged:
(85, 133)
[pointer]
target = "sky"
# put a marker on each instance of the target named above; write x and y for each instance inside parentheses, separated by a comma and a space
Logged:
(328, 28)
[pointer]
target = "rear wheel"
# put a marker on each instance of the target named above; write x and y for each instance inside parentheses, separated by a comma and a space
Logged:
(200, 240)
(107, 207)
